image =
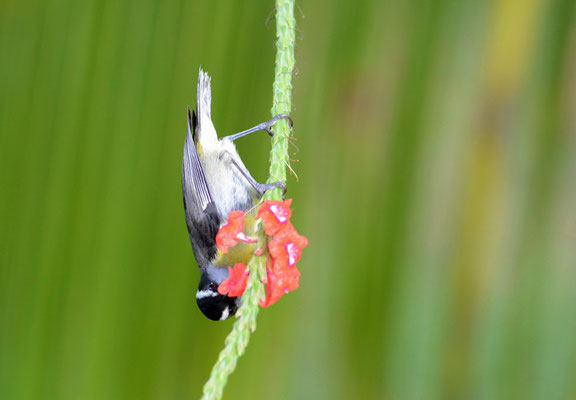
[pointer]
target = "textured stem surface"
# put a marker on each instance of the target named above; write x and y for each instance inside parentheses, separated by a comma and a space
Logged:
(282, 92)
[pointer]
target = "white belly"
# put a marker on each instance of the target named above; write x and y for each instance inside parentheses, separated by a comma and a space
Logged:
(229, 188)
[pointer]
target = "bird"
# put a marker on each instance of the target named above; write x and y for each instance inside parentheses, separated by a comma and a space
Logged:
(215, 182)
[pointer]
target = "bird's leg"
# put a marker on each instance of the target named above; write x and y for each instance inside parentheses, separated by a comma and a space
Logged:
(261, 188)
(264, 126)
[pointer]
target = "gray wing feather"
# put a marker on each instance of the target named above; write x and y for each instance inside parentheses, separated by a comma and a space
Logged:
(201, 214)
(193, 178)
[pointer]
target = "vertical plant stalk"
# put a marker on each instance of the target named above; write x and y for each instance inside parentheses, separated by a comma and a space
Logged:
(282, 93)
(237, 341)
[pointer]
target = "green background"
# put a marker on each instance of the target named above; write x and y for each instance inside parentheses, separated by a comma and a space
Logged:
(435, 149)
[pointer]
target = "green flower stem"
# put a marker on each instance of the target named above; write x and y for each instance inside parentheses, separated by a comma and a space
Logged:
(282, 94)
(237, 340)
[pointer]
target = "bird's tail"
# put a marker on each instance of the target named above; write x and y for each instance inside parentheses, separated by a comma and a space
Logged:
(206, 130)
(203, 97)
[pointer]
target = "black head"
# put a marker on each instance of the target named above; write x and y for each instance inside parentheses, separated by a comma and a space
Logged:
(214, 305)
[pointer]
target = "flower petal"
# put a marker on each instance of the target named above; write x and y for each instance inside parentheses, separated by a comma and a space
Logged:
(235, 284)
(286, 246)
(275, 214)
(293, 253)
(279, 282)
(232, 232)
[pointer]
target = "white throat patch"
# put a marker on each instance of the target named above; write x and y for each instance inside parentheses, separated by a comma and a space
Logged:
(202, 294)
(225, 314)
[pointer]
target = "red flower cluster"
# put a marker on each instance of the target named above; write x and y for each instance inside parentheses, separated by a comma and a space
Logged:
(285, 248)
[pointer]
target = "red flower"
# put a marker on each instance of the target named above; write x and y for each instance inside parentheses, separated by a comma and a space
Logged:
(275, 215)
(232, 232)
(279, 283)
(235, 284)
(286, 246)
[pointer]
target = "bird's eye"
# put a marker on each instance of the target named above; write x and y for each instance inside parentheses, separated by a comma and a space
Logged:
(212, 286)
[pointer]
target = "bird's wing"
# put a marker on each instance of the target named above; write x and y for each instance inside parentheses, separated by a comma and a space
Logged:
(201, 215)
(193, 179)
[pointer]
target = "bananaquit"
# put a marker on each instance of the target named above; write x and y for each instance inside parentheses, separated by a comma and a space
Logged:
(214, 183)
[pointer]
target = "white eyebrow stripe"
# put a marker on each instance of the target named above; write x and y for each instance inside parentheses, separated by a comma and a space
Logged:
(225, 314)
(201, 294)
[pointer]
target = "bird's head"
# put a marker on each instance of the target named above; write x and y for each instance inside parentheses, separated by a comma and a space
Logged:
(214, 305)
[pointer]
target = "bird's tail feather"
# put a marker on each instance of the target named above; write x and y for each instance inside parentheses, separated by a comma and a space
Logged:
(203, 97)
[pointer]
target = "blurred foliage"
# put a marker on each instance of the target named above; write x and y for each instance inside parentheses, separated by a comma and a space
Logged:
(436, 159)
